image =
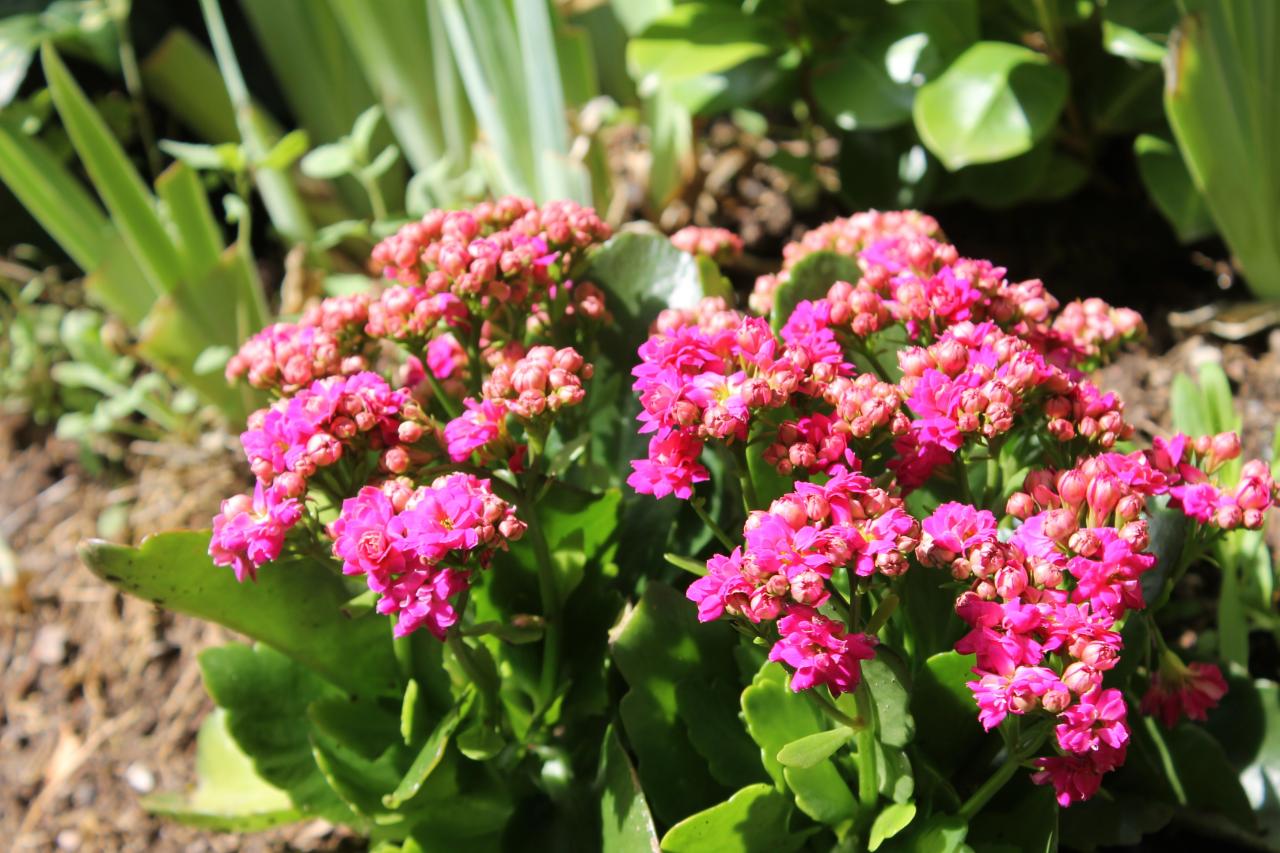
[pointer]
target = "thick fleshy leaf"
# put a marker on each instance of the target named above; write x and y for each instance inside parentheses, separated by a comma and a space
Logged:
(891, 820)
(886, 678)
(996, 101)
(776, 717)
(944, 710)
(811, 749)
(709, 708)
(656, 645)
(624, 814)
(754, 820)
(229, 796)
(432, 752)
(294, 607)
(643, 273)
(266, 696)
(1207, 778)
(810, 280)
(1137, 29)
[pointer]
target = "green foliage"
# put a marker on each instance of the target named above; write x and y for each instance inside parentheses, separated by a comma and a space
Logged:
(1218, 97)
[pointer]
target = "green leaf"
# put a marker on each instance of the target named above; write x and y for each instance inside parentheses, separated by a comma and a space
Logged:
(229, 796)
(1137, 29)
(709, 708)
(330, 161)
(199, 239)
(1261, 776)
(52, 196)
(891, 820)
(287, 149)
(940, 834)
(362, 131)
(431, 753)
(754, 820)
(894, 775)
(180, 74)
(656, 645)
(381, 164)
(775, 717)
(1189, 408)
(625, 819)
(266, 697)
(885, 676)
(810, 280)
(811, 749)
(294, 607)
(225, 157)
(858, 93)
(713, 281)
(1167, 181)
(642, 274)
(944, 710)
(1024, 817)
(1207, 778)
(132, 208)
(1220, 82)
(694, 39)
(996, 101)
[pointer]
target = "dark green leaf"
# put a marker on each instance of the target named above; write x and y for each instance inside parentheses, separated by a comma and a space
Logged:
(432, 751)
(627, 824)
(643, 273)
(943, 707)
(1167, 181)
(885, 675)
(1207, 778)
(810, 280)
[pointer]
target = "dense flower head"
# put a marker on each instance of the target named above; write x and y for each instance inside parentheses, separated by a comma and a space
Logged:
(846, 236)
(719, 244)
(791, 551)
(288, 356)
(542, 381)
(418, 556)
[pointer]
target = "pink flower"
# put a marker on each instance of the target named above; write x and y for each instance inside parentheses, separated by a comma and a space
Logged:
(1076, 778)
(820, 651)
(954, 528)
(1097, 719)
(1177, 691)
(420, 598)
(250, 531)
(444, 356)
(722, 586)
(480, 424)
(361, 536)
(671, 467)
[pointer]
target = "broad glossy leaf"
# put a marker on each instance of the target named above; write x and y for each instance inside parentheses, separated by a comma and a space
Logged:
(754, 820)
(885, 675)
(432, 752)
(776, 717)
(694, 39)
(656, 645)
(996, 101)
(944, 710)
(1220, 84)
(643, 273)
(1023, 817)
(1207, 778)
(810, 280)
(709, 708)
(625, 819)
(293, 607)
(266, 697)
(939, 834)
(229, 796)
(1167, 181)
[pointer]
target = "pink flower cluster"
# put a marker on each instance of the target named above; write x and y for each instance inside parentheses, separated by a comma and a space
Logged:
(417, 547)
(497, 251)
(329, 340)
(784, 570)
(719, 244)
(845, 236)
(250, 531)
(1043, 610)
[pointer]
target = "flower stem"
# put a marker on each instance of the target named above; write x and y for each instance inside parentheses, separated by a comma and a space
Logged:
(829, 709)
(868, 781)
(750, 500)
(989, 788)
(449, 405)
(548, 588)
(710, 522)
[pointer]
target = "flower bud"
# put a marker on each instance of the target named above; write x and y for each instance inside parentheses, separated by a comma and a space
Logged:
(1020, 505)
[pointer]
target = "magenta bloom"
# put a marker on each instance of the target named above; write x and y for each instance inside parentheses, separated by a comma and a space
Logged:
(955, 528)
(1076, 778)
(722, 584)
(671, 468)
(480, 424)
(250, 531)
(1097, 719)
(820, 651)
(420, 598)
(361, 536)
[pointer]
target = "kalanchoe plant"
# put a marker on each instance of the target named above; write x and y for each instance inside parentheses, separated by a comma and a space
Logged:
(912, 516)
(983, 465)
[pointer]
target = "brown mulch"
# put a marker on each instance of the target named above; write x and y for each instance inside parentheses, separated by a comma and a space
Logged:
(101, 694)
